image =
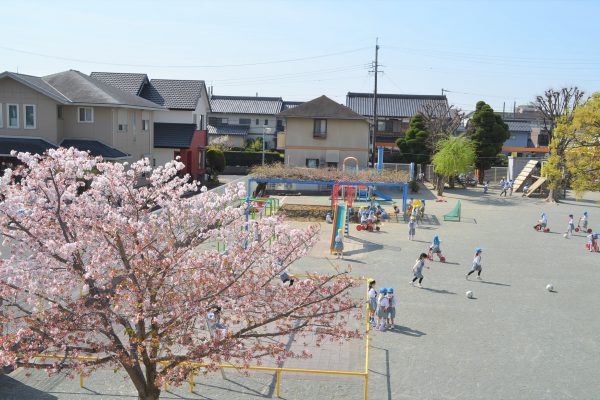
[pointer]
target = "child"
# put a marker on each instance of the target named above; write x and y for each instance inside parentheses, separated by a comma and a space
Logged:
(396, 212)
(510, 187)
(592, 244)
(570, 226)
(485, 187)
(372, 297)
(382, 305)
(412, 227)
(583, 221)
(543, 221)
(391, 311)
(329, 218)
(418, 270)
(338, 244)
(435, 248)
(476, 265)
(525, 189)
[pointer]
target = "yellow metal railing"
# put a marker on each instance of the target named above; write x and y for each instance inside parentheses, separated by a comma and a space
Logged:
(277, 370)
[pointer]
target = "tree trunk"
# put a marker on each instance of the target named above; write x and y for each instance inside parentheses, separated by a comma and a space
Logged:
(451, 182)
(439, 184)
(480, 175)
(150, 395)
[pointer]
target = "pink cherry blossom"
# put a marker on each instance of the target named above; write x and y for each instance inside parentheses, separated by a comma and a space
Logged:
(101, 265)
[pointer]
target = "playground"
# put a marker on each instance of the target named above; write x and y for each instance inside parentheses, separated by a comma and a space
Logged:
(513, 340)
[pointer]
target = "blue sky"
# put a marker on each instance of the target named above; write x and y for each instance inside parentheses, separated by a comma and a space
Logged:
(497, 51)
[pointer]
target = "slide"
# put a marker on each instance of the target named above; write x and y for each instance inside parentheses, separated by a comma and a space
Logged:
(339, 220)
(382, 196)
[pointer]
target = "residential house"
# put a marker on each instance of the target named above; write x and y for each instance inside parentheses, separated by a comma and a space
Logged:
(180, 128)
(322, 132)
(244, 118)
(72, 109)
(394, 112)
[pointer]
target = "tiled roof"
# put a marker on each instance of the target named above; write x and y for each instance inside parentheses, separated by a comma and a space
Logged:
(38, 84)
(174, 94)
(80, 88)
(246, 105)
(173, 136)
(232, 130)
(290, 104)
(127, 82)
(518, 125)
(321, 107)
(392, 105)
(25, 145)
(95, 148)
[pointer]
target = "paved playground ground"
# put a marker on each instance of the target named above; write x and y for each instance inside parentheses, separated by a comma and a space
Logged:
(514, 340)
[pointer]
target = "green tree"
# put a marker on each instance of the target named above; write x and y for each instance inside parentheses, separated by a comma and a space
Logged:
(455, 155)
(215, 160)
(557, 107)
(582, 155)
(413, 145)
(489, 133)
(255, 145)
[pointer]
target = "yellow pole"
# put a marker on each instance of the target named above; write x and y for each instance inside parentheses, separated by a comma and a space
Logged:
(278, 383)
(80, 380)
(191, 382)
(366, 396)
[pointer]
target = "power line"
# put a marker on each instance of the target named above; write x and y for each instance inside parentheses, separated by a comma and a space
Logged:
(183, 66)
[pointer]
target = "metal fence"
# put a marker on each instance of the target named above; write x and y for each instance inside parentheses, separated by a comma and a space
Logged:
(494, 174)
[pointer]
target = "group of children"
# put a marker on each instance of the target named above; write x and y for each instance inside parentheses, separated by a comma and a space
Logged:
(382, 307)
(592, 237)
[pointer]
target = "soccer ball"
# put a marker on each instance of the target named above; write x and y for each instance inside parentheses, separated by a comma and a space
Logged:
(549, 287)
(469, 294)
(565, 235)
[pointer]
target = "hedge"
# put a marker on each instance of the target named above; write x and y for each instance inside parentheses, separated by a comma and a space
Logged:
(249, 159)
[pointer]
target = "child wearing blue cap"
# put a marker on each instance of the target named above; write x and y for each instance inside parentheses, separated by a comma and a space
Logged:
(372, 296)
(435, 249)
(382, 306)
(476, 265)
(391, 311)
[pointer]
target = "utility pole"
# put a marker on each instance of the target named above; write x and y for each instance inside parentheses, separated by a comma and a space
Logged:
(375, 122)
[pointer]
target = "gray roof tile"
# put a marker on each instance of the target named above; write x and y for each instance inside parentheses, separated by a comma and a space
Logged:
(127, 82)
(392, 105)
(518, 125)
(173, 136)
(291, 104)
(25, 145)
(174, 94)
(95, 148)
(321, 107)
(246, 105)
(80, 88)
(233, 130)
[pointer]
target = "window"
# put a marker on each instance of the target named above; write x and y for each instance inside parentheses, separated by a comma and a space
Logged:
(13, 115)
(224, 121)
(133, 121)
(86, 115)
(332, 165)
(312, 162)
(1, 113)
(30, 116)
(245, 121)
(380, 125)
(257, 122)
(320, 128)
(266, 122)
(59, 112)
(122, 127)
(396, 125)
(145, 124)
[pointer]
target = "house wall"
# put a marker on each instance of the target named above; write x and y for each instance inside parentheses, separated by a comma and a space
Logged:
(134, 141)
(517, 139)
(202, 110)
(163, 156)
(345, 138)
(174, 116)
(14, 92)
(255, 130)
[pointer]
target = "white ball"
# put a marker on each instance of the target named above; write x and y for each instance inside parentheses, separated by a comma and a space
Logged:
(550, 287)
(469, 294)
(565, 235)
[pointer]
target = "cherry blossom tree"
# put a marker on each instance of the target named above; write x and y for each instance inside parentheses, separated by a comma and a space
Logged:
(129, 276)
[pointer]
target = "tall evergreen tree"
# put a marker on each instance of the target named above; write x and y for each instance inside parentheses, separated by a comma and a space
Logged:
(413, 145)
(489, 132)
